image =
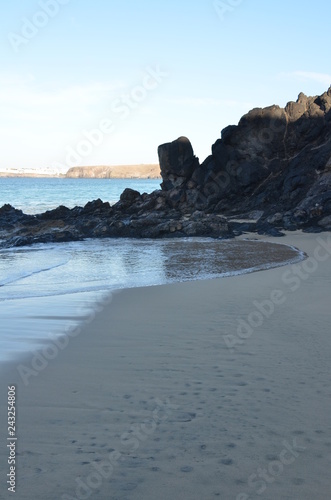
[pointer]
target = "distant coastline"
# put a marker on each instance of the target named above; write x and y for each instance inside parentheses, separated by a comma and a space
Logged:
(24, 175)
(143, 171)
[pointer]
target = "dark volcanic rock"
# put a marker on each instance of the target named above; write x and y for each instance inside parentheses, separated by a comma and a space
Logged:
(129, 196)
(10, 216)
(177, 163)
(274, 160)
(59, 213)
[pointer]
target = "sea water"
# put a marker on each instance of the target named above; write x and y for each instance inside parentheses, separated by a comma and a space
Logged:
(36, 195)
(47, 288)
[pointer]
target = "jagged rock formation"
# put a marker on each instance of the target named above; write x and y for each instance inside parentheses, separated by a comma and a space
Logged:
(154, 219)
(276, 162)
(270, 172)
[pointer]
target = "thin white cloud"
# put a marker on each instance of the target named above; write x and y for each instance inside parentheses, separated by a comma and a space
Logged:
(26, 94)
(29, 107)
(323, 78)
(208, 101)
(38, 122)
(7, 78)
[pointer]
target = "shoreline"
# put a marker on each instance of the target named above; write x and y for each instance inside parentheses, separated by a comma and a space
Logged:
(58, 306)
(165, 393)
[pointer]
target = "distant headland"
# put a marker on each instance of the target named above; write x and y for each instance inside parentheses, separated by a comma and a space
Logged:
(116, 172)
(142, 171)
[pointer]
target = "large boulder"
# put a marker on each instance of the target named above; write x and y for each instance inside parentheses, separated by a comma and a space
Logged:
(177, 163)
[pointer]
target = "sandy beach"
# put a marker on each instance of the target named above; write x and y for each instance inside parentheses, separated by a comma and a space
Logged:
(197, 390)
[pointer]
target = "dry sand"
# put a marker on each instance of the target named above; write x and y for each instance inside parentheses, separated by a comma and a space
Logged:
(150, 401)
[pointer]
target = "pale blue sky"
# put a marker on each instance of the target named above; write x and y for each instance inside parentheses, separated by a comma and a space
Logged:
(73, 67)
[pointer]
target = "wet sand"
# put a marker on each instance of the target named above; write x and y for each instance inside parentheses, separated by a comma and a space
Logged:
(197, 390)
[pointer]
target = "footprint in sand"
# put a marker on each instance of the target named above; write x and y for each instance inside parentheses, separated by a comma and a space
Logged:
(297, 481)
(128, 486)
(186, 468)
(183, 417)
(227, 461)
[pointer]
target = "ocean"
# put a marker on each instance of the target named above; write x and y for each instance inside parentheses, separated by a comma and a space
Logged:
(36, 195)
(47, 289)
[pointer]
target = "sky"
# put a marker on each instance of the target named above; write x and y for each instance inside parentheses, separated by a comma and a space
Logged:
(104, 82)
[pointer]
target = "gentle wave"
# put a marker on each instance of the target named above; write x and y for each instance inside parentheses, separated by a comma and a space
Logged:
(27, 274)
(70, 277)
(137, 269)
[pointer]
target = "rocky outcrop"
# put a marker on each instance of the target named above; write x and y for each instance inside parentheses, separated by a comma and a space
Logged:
(276, 162)
(270, 172)
(134, 216)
